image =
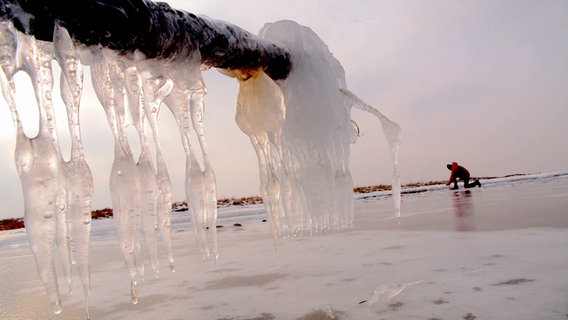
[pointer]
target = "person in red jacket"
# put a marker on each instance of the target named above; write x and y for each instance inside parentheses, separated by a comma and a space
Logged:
(461, 173)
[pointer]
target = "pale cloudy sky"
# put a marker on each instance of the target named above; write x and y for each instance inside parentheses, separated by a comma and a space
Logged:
(482, 82)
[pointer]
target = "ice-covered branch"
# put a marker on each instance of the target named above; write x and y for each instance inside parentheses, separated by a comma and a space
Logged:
(142, 54)
(152, 28)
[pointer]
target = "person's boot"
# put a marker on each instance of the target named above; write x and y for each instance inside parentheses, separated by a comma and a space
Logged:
(478, 183)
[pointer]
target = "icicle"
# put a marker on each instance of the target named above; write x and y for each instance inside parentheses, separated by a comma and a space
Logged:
(187, 92)
(209, 193)
(39, 165)
(124, 179)
(392, 133)
(36, 161)
(148, 191)
(155, 89)
(309, 162)
(260, 115)
(79, 178)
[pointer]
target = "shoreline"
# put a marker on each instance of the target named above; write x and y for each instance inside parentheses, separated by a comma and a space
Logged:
(465, 254)
(359, 193)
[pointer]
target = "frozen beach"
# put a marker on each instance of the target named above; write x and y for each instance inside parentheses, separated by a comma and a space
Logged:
(496, 252)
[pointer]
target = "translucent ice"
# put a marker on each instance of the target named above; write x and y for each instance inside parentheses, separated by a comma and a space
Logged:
(204, 199)
(301, 131)
(387, 291)
(148, 189)
(38, 160)
(300, 128)
(186, 103)
(78, 174)
(392, 133)
(261, 115)
(303, 136)
(155, 89)
(124, 177)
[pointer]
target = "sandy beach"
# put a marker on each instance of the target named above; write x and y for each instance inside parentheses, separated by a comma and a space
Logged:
(496, 252)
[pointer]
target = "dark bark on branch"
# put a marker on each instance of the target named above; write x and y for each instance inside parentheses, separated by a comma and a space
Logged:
(155, 29)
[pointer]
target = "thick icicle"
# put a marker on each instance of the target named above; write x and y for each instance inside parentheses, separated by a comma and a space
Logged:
(39, 163)
(35, 175)
(37, 57)
(124, 178)
(187, 93)
(392, 133)
(79, 178)
(155, 89)
(260, 114)
(307, 170)
(148, 191)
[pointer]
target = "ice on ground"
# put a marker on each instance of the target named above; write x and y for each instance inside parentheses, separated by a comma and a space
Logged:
(507, 264)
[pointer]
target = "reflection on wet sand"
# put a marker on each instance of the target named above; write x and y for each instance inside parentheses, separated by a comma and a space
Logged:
(464, 210)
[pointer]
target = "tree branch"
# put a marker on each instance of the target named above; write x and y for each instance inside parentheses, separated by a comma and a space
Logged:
(155, 29)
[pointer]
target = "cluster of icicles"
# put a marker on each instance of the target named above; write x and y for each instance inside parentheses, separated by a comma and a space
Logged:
(300, 128)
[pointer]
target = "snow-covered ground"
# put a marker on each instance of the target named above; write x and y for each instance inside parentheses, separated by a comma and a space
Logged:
(496, 252)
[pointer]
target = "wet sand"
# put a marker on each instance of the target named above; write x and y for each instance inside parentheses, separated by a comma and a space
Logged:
(498, 252)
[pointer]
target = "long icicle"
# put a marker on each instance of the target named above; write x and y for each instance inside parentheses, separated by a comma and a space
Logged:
(124, 182)
(392, 133)
(148, 191)
(79, 178)
(186, 78)
(39, 165)
(155, 89)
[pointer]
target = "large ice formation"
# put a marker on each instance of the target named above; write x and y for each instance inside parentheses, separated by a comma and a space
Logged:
(296, 114)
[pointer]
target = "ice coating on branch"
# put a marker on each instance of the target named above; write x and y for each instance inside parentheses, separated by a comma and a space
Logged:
(153, 29)
(303, 136)
(301, 130)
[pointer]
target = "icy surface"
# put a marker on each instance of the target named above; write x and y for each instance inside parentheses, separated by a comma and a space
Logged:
(503, 266)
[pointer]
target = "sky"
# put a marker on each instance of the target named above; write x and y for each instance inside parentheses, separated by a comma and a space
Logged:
(483, 83)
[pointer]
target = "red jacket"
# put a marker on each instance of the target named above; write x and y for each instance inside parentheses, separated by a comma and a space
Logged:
(458, 172)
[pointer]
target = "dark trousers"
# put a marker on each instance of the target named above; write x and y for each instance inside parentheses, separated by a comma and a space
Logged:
(465, 180)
